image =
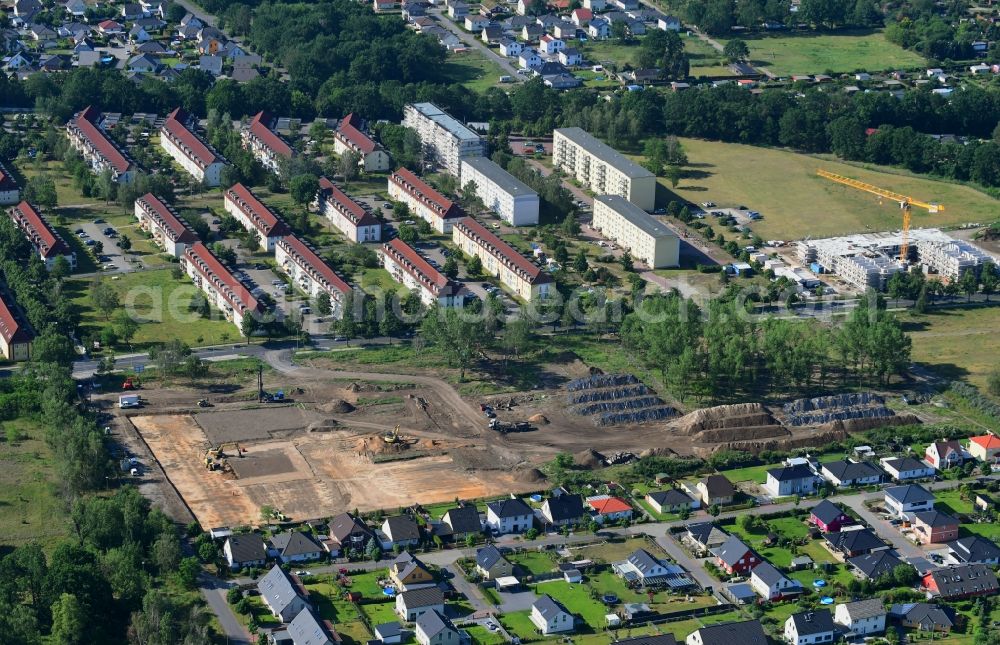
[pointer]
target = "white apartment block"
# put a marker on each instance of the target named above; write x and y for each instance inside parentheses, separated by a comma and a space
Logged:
(264, 144)
(349, 137)
(44, 239)
(309, 272)
(169, 231)
(601, 168)
(220, 286)
(408, 268)
(9, 191)
(254, 216)
(515, 271)
(199, 159)
(500, 191)
(100, 152)
(357, 224)
(642, 235)
(445, 140)
(423, 201)
(953, 259)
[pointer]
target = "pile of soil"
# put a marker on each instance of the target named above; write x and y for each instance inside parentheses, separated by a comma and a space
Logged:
(337, 405)
(865, 424)
(532, 475)
(538, 419)
(323, 425)
(588, 459)
(661, 451)
(720, 435)
(740, 415)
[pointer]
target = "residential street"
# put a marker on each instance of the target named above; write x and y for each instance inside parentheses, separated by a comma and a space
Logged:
(214, 591)
(474, 42)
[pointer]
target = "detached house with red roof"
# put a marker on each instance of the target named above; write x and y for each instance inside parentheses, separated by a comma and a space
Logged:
(169, 231)
(265, 144)
(350, 136)
(100, 152)
(985, 448)
(310, 272)
(423, 201)
(10, 193)
(254, 216)
(946, 454)
(46, 242)
(605, 508)
(516, 272)
(408, 268)
(198, 158)
(357, 224)
(15, 336)
(221, 287)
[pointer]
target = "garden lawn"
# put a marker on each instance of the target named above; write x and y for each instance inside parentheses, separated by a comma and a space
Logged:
(705, 59)
(951, 501)
(328, 600)
(379, 612)
(957, 343)
(576, 598)
(795, 202)
(378, 281)
(519, 623)
(534, 562)
(616, 551)
(367, 583)
(482, 636)
(681, 628)
(756, 474)
(473, 70)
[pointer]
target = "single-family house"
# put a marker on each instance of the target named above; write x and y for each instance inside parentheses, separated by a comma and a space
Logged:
(348, 532)
(861, 617)
(946, 454)
(706, 536)
(669, 23)
(670, 501)
(599, 29)
(462, 522)
(746, 632)
(906, 468)
(641, 568)
(934, 527)
(475, 22)
(595, 5)
(294, 546)
(138, 35)
(143, 64)
(855, 542)
(570, 56)
(390, 633)
(716, 489)
(829, 517)
(974, 549)
(771, 584)
(872, 566)
(306, 629)
(845, 473)
(985, 448)
(924, 616)
(550, 617)
(401, 531)
(244, 550)
(511, 48)
(798, 479)
(529, 59)
(412, 604)
(492, 34)
(735, 557)
(581, 17)
(810, 627)
(960, 581)
(564, 30)
(75, 8)
(564, 510)
(407, 572)
(434, 628)
(902, 501)
(283, 596)
(510, 515)
(110, 28)
(211, 64)
(531, 33)
(491, 564)
(608, 508)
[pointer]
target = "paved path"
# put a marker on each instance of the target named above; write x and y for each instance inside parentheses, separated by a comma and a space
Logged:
(468, 589)
(214, 591)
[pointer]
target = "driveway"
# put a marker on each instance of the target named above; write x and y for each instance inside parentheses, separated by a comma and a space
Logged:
(904, 547)
(468, 589)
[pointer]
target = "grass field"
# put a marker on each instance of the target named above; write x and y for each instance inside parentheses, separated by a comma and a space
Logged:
(795, 202)
(959, 343)
(756, 474)
(704, 59)
(473, 70)
(817, 53)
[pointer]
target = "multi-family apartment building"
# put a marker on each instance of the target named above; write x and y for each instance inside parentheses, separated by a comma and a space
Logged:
(500, 191)
(199, 159)
(357, 224)
(10, 193)
(601, 168)
(48, 244)
(954, 258)
(515, 271)
(169, 231)
(310, 272)
(350, 136)
(423, 201)
(254, 216)
(219, 285)
(408, 268)
(264, 143)
(445, 140)
(647, 239)
(15, 335)
(97, 148)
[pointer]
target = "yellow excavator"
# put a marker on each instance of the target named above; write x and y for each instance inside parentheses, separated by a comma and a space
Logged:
(393, 437)
(215, 458)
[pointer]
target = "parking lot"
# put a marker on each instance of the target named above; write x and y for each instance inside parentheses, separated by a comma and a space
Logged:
(114, 261)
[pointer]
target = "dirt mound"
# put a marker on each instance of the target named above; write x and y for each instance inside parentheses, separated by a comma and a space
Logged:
(532, 475)
(740, 415)
(323, 425)
(865, 424)
(657, 452)
(588, 459)
(336, 405)
(720, 435)
(538, 419)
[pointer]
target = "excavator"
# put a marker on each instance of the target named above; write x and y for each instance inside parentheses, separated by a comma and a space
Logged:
(393, 437)
(216, 458)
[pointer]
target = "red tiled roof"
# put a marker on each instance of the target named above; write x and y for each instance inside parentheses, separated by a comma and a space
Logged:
(196, 150)
(85, 122)
(504, 251)
(344, 204)
(294, 246)
(421, 190)
(225, 282)
(350, 130)
(6, 179)
(411, 261)
(108, 25)
(259, 128)
(610, 505)
(988, 441)
(10, 327)
(167, 219)
(263, 219)
(583, 14)
(38, 231)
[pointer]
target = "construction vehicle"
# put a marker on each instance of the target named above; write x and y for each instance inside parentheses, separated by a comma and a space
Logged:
(130, 384)
(504, 427)
(220, 452)
(905, 204)
(392, 437)
(204, 403)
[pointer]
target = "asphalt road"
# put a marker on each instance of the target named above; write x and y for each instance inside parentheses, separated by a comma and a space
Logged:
(214, 592)
(474, 42)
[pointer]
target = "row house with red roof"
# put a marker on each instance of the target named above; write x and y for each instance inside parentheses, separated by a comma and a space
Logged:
(264, 143)
(309, 272)
(10, 192)
(351, 137)
(199, 159)
(169, 231)
(15, 335)
(357, 224)
(255, 217)
(218, 284)
(423, 201)
(47, 243)
(86, 136)
(408, 268)
(515, 271)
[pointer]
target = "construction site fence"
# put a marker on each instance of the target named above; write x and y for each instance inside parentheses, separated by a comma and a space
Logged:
(626, 392)
(600, 380)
